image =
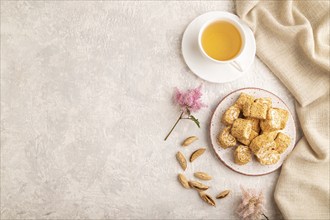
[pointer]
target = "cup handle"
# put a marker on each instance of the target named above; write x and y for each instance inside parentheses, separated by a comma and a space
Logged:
(237, 66)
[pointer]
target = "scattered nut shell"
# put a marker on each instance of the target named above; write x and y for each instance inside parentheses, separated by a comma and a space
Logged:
(196, 154)
(206, 198)
(189, 140)
(183, 180)
(182, 160)
(202, 176)
(198, 185)
(223, 194)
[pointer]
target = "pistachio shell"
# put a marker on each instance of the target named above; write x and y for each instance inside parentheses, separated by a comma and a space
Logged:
(196, 154)
(198, 185)
(206, 198)
(223, 194)
(202, 176)
(182, 160)
(189, 140)
(183, 180)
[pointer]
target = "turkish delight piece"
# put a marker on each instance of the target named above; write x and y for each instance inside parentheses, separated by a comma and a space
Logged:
(225, 139)
(248, 141)
(276, 120)
(271, 135)
(284, 115)
(262, 143)
(255, 110)
(255, 124)
(242, 99)
(282, 142)
(230, 115)
(241, 128)
(269, 157)
(242, 155)
(266, 101)
(273, 121)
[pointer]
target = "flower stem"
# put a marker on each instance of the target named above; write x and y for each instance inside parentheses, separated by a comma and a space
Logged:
(177, 121)
(265, 216)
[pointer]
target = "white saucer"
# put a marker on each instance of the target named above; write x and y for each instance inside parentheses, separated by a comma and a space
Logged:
(207, 69)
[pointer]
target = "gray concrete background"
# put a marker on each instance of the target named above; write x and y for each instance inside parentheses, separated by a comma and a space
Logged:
(86, 102)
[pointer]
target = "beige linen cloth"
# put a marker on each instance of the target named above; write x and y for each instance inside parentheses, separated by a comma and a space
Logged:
(293, 41)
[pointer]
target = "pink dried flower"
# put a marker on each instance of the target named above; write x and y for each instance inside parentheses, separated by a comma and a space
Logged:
(189, 101)
(252, 205)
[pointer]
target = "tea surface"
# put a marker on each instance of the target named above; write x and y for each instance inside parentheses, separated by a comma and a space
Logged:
(221, 40)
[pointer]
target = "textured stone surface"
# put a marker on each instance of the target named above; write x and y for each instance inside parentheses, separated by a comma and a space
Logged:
(86, 102)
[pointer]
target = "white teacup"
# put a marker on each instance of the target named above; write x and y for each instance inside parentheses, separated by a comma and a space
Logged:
(233, 61)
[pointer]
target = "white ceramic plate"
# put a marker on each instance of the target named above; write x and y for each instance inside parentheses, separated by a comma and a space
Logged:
(253, 168)
(207, 69)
